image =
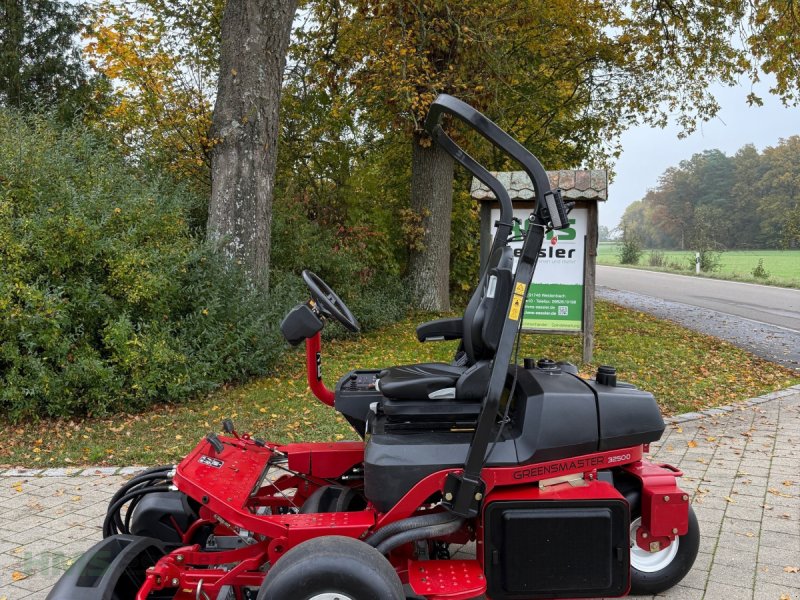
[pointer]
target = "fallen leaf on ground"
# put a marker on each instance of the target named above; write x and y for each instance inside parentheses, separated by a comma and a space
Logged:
(17, 576)
(777, 493)
(691, 444)
(789, 569)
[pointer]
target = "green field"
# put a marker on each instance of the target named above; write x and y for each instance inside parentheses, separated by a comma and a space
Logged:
(782, 266)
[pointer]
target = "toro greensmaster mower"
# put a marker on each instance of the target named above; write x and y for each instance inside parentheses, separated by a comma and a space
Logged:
(542, 469)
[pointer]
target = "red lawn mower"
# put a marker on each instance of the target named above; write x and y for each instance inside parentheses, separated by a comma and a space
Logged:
(543, 470)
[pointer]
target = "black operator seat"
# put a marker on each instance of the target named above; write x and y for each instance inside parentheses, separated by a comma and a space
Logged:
(479, 331)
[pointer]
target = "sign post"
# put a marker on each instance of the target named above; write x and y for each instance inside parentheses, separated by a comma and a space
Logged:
(561, 298)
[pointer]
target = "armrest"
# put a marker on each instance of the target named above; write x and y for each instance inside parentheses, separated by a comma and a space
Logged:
(441, 329)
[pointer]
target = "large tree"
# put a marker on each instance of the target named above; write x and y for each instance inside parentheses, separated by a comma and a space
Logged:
(40, 63)
(255, 36)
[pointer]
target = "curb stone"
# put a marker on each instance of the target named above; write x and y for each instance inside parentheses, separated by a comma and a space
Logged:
(132, 470)
(719, 410)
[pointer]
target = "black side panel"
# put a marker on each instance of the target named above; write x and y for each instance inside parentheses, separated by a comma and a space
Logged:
(157, 514)
(395, 462)
(556, 549)
(560, 416)
(111, 569)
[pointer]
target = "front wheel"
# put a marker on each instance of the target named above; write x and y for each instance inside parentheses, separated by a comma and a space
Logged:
(655, 572)
(332, 568)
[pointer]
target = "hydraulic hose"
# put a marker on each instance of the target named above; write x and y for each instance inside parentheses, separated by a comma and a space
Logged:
(406, 525)
(421, 533)
(145, 480)
(146, 475)
(112, 523)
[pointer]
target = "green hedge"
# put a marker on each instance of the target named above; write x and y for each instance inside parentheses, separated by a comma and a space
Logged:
(108, 299)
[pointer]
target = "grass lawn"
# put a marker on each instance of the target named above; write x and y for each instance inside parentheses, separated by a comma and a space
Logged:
(783, 266)
(685, 370)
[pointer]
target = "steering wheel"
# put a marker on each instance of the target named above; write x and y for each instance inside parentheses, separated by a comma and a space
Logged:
(329, 302)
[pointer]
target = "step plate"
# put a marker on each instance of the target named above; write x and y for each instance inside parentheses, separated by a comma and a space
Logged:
(446, 579)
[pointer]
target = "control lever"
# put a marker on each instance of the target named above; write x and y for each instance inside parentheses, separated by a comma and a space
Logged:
(215, 442)
(227, 427)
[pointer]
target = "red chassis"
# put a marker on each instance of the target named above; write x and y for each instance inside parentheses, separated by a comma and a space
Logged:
(251, 483)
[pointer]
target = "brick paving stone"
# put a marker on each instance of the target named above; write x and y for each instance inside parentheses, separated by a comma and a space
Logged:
(736, 474)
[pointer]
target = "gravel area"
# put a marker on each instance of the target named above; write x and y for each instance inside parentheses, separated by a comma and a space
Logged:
(771, 342)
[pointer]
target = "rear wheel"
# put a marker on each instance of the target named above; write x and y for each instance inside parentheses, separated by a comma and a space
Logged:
(332, 568)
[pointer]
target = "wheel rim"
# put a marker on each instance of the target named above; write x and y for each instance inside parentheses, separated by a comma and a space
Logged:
(331, 596)
(650, 562)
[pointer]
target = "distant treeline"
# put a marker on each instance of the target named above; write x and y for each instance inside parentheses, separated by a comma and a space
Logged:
(748, 200)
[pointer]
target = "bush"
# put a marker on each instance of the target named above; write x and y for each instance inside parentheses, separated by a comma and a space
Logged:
(630, 250)
(657, 259)
(759, 272)
(108, 299)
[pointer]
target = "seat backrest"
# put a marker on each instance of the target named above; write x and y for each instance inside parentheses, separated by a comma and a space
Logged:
(485, 313)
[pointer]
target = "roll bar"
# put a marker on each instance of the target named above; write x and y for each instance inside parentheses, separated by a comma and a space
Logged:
(446, 104)
(464, 490)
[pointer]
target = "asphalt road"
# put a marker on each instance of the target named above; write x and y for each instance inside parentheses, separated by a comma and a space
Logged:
(763, 303)
(762, 319)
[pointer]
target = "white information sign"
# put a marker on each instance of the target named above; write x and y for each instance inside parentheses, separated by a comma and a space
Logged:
(555, 298)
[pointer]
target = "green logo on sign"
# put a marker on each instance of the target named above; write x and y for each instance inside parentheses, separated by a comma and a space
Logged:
(519, 229)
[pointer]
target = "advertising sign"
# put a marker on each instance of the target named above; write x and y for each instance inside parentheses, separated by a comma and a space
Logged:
(555, 297)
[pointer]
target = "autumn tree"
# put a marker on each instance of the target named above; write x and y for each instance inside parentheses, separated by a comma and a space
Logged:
(163, 56)
(778, 194)
(565, 77)
(712, 201)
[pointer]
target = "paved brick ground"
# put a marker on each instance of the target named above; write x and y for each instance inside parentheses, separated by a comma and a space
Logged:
(742, 465)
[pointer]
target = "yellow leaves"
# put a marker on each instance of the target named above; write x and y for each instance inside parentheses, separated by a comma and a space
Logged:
(18, 576)
(777, 492)
(17, 487)
(691, 444)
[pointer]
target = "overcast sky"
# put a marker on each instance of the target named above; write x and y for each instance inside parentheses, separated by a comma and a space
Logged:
(647, 152)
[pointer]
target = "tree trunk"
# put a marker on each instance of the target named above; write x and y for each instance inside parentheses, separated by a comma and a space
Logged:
(255, 36)
(432, 200)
